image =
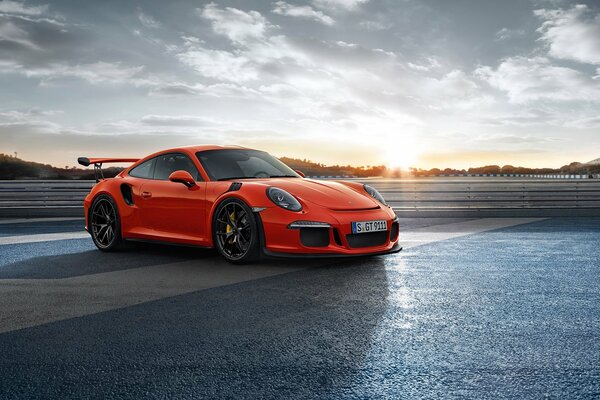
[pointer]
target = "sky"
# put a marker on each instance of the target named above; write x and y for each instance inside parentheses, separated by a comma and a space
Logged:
(423, 83)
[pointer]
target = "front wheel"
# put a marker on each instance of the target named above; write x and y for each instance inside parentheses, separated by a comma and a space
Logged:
(235, 232)
(105, 223)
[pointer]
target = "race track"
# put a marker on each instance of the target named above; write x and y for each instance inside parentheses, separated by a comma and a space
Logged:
(471, 308)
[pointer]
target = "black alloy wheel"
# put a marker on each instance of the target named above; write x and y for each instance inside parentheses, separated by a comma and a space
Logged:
(235, 232)
(105, 223)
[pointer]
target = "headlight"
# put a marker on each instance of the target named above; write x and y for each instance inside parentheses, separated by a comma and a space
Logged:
(374, 194)
(283, 199)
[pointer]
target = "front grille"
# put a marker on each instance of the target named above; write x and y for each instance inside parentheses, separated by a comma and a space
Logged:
(358, 240)
(314, 237)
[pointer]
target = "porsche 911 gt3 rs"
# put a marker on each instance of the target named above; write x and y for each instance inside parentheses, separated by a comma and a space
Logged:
(243, 202)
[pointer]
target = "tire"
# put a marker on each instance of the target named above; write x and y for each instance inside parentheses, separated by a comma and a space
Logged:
(235, 232)
(105, 223)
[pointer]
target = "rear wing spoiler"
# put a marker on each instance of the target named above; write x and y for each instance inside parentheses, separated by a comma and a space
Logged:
(86, 162)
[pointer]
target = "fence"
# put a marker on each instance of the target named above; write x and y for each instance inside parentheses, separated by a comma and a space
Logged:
(431, 197)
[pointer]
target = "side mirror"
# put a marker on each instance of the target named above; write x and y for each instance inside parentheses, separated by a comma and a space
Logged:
(300, 173)
(184, 177)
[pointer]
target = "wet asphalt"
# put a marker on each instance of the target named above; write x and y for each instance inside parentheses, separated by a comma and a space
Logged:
(504, 314)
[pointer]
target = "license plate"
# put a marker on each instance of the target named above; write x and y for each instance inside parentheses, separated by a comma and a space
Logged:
(369, 226)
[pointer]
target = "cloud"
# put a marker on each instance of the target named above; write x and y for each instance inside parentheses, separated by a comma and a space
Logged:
(507, 34)
(372, 25)
(337, 5)
(430, 63)
(283, 8)
(177, 120)
(572, 34)
(219, 64)
(220, 90)
(239, 26)
(147, 20)
(26, 115)
(512, 139)
(94, 73)
(320, 83)
(20, 8)
(589, 122)
(11, 33)
(528, 79)
(52, 52)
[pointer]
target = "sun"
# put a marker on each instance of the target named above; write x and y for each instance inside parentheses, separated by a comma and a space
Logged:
(401, 154)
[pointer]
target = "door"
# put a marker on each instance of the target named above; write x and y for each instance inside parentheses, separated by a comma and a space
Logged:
(172, 209)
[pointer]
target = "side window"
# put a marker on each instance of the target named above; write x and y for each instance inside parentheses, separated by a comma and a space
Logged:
(166, 164)
(144, 170)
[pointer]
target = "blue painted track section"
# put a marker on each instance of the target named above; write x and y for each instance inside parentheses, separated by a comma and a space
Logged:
(511, 313)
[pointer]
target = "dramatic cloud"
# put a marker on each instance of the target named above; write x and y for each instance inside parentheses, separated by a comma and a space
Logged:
(20, 8)
(337, 5)
(148, 21)
(572, 34)
(239, 26)
(178, 120)
(219, 64)
(334, 80)
(96, 73)
(507, 34)
(532, 79)
(11, 33)
(283, 8)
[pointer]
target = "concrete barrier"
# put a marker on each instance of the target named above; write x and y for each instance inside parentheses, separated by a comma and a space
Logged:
(431, 197)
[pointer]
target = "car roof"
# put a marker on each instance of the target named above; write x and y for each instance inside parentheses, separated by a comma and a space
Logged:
(204, 147)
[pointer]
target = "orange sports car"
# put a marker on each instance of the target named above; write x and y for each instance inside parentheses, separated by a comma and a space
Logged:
(243, 202)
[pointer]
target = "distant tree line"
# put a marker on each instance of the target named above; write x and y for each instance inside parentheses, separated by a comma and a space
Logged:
(315, 169)
(12, 167)
(572, 168)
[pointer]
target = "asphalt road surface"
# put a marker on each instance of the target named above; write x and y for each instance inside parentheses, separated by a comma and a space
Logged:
(489, 308)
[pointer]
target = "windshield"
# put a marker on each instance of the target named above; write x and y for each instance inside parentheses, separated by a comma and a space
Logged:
(242, 164)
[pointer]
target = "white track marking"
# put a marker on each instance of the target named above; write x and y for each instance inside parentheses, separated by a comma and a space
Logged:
(43, 237)
(31, 302)
(436, 233)
(28, 220)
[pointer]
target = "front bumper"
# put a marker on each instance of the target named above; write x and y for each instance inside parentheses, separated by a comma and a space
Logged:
(273, 254)
(280, 239)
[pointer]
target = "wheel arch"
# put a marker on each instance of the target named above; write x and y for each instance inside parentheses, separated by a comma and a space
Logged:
(106, 187)
(251, 197)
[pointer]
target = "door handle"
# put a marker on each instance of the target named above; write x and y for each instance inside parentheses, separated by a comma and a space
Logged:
(146, 195)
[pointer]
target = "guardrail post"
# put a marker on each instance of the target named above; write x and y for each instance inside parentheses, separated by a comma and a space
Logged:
(470, 198)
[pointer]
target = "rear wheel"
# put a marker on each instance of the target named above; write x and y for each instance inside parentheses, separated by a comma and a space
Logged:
(105, 223)
(235, 232)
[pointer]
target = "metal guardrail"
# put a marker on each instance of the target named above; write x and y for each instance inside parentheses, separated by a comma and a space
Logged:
(433, 197)
(491, 197)
(33, 198)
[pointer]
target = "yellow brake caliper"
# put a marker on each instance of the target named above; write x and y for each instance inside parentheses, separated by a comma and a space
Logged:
(229, 227)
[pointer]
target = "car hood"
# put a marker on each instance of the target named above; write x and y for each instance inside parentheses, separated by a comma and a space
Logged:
(331, 194)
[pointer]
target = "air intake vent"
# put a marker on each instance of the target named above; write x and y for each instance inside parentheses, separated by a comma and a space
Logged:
(314, 237)
(126, 193)
(336, 237)
(358, 240)
(395, 230)
(235, 186)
